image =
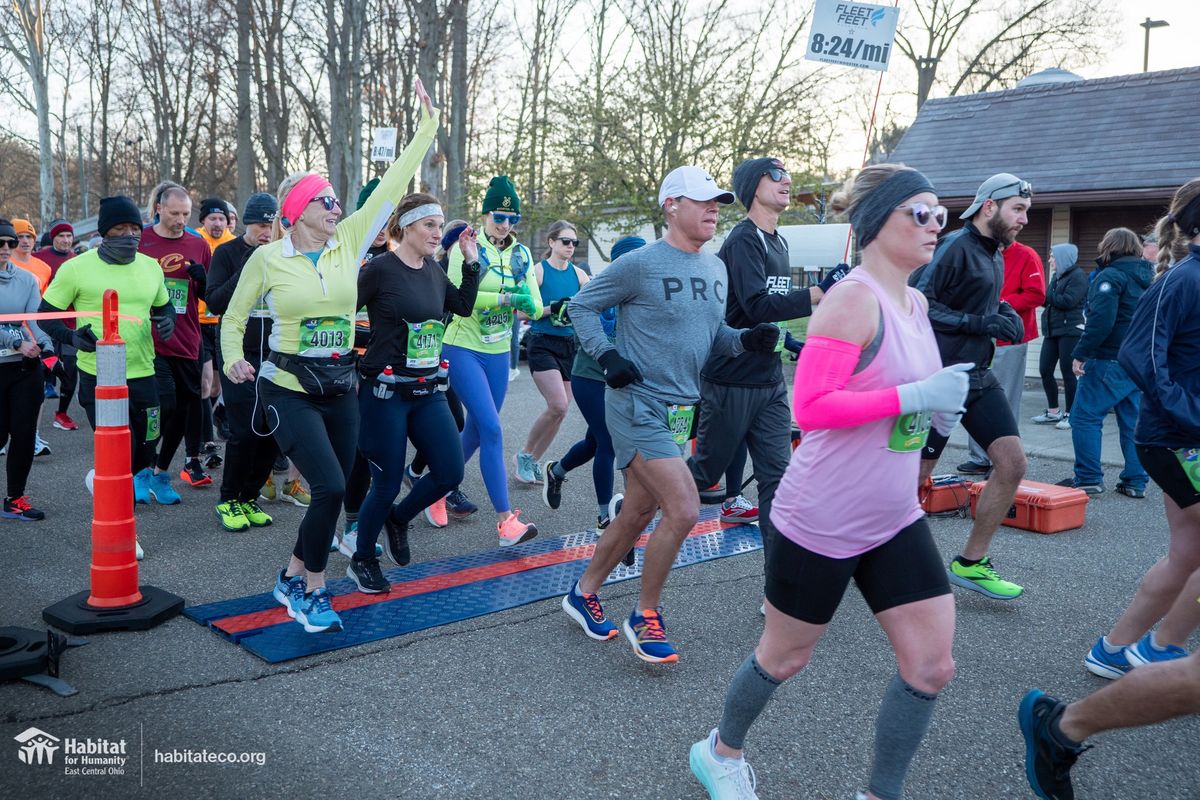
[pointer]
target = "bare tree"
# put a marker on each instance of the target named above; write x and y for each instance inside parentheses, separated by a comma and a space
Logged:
(27, 41)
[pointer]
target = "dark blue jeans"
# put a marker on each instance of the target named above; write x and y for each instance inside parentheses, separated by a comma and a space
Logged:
(1104, 387)
(387, 425)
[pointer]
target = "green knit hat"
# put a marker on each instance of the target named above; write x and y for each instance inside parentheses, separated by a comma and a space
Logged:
(366, 191)
(501, 196)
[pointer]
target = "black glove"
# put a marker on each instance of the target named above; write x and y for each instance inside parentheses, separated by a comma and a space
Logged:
(165, 325)
(791, 343)
(1016, 324)
(618, 371)
(84, 339)
(197, 272)
(838, 272)
(557, 305)
(761, 338)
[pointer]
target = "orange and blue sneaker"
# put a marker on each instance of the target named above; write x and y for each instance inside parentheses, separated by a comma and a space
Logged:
(645, 631)
(585, 609)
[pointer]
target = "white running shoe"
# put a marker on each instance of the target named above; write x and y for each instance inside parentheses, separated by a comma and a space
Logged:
(725, 779)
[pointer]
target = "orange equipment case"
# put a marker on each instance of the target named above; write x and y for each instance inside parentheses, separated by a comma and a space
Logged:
(1042, 507)
(942, 493)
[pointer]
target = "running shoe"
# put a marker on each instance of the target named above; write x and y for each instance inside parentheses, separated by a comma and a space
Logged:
(1144, 651)
(738, 511)
(973, 468)
(40, 446)
(602, 522)
(435, 514)
(552, 487)
(459, 505)
(409, 477)
(349, 543)
(267, 494)
(1100, 662)
(514, 531)
(138, 552)
(585, 609)
(367, 576)
(523, 469)
(254, 513)
(194, 475)
(221, 423)
(1048, 760)
(1090, 488)
(64, 422)
(1064, 424)
(210, 448)
(538, 476)
(231, 516)
(1131, 491)
(295, 493)
(395, 542)
(89, 480)
(141, 486)
(162, 491)
(289, 592)
(513, 374)
(723, 778)
(713, 495)
(983, 578)
(316, 613)
(646, 632)
(19, 508)
(1048, 417)
(50, 392)
(213, 461)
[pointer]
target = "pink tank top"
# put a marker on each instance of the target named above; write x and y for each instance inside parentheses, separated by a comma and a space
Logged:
(849, 490)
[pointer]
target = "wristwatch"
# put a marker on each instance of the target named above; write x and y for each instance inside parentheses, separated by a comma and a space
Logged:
(471, 267)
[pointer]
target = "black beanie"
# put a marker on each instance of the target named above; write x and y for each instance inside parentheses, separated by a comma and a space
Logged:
(260, 208)
(747, 175)
(7, 231)
(214, 205)
(116, 210)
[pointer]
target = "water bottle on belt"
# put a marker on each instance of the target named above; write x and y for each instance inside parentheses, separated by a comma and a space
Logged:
(385, 383)
(442, 380)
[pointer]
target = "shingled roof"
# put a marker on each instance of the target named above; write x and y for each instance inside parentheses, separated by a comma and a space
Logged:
(1126, 136)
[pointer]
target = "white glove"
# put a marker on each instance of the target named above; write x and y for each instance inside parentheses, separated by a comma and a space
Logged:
(944, 391)
(944, 423)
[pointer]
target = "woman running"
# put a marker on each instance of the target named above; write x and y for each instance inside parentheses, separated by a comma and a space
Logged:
(868, 386)
(309, 283)
(408, 298)
(477, 346)
(550, 345)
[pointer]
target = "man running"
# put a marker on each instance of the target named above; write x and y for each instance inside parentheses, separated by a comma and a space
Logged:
(963, 283)
(670, 300)
(216, 228)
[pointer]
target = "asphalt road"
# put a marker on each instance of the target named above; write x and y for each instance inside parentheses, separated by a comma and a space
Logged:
(521, 704)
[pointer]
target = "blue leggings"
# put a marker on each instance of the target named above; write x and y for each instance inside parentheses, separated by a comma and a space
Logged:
(386, 427)
(481, 380)
(596, 444)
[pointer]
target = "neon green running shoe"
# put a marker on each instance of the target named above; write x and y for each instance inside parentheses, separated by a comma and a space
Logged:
(983, 578)
(254, 513)
(231, 516)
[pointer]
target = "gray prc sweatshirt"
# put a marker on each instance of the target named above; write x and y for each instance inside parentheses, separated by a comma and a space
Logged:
(670, 313)
(19, 295)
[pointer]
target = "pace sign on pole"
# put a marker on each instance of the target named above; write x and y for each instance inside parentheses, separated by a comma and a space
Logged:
(852, 34)
(383, 145)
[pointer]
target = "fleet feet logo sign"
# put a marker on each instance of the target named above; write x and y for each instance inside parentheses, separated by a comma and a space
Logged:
(852, 34)
(37, 747)
(88, 756)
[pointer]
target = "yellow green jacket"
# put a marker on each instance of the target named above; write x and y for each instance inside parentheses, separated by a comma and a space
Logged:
(500, 270)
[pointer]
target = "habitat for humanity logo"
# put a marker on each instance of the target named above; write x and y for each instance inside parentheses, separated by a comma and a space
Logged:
(79, 756)
(37, 747)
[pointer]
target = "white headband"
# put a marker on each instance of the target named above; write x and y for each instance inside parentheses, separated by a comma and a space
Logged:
(420, 212)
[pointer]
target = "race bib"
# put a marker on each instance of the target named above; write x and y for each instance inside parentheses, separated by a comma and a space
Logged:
(260, 311)
(361, 317)
(325, 333)
(8, 351)
(424, 344)
(153, 424)
(1189, 459)
(679, 421)
(496, 325)
(177, 292)
(910, 432)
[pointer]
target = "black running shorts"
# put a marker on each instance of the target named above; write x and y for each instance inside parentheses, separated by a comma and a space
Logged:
(1163, 467)
(549, 353)
(988, 417)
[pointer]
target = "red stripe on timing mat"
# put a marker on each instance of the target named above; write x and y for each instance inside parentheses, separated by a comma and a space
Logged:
(434, 583)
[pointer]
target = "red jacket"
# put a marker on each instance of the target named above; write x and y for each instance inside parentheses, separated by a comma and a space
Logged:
(1024, 286)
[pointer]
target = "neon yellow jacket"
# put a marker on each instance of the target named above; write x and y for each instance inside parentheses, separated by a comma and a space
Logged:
(485, 330)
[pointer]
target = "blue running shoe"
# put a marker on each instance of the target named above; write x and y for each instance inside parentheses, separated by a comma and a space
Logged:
(141, 486)
(646, 632)
(1144, 651)
(585, 609)
(1048, 760)
(289, 592)
(459, 505)
(316, 613)
(1105, 664)
(724, 778)
(162, 491)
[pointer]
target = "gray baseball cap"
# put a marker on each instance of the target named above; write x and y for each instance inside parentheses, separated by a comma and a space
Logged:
(998, 187)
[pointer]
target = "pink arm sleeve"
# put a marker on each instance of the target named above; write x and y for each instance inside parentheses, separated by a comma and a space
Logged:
(821, 400)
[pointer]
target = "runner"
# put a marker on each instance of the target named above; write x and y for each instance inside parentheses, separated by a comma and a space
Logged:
(249, 456)
(962, 284)
(23, 257)
(216, 229)
(408, 298)
(477, 347)
(587, 386)
(670, 301)
(141, 292)
(21, 394)
(744, 400)
(868, 387)
(308, 281)
(62, 235)
(550, 346)
(1161, 355)
(184, 259)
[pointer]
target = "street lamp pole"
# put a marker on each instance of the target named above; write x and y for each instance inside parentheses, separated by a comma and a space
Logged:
(1148, 24)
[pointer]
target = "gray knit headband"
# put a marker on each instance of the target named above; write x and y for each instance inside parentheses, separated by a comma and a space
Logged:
(873, 210)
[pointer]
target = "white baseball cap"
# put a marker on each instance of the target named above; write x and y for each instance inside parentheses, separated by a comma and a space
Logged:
(693, 183)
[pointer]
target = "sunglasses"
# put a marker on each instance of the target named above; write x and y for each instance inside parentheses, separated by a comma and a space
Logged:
(572, 242)
(1024, 189)
(505, 219)
(922, 214)
(777, 174)
(10, 243)
(328, 201)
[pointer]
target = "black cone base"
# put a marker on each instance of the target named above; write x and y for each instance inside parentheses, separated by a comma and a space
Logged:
(75, 616)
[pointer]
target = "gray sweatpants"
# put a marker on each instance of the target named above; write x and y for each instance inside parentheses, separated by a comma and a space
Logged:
(1009, 369)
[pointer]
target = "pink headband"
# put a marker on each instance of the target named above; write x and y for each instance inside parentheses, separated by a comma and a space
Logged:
(301, 195)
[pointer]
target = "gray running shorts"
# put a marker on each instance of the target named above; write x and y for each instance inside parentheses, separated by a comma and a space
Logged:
(640, 424)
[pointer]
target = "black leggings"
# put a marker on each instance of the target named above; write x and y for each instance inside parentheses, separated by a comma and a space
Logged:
(248, 455)
(68, 379)
(179, 395)
(1057, 350)
(144, 417)
(456, 410)
(21, 396)
(320, 436)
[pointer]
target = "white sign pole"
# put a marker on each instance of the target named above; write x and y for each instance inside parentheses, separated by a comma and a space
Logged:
(852, 34)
